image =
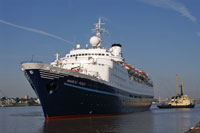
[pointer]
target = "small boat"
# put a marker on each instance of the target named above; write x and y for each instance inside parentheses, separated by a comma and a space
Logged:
(179, 101)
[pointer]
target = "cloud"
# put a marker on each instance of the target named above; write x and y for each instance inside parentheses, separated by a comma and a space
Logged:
(173, 5)
(36, 31)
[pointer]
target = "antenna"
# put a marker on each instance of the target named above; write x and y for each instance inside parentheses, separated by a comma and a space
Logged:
(197, 94)
(99, 31)
(176, 84)
(57, 56)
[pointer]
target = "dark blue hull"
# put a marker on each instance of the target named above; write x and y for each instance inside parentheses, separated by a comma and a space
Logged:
(71, 96)
(173, 106)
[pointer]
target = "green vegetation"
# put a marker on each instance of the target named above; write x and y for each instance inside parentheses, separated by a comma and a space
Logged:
(26, 101)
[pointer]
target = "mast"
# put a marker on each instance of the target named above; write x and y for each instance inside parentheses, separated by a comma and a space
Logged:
(98, 28)
(99, 31)
(197, 94)
(182, 88)
(176, 84)
(57, 58)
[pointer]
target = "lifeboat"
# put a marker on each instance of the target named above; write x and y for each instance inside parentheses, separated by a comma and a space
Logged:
(128, 66)
(74, 70)
(133, 68)
(144, 74)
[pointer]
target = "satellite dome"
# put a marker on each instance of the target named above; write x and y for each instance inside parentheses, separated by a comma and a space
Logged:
(78, 46)
(94, 41)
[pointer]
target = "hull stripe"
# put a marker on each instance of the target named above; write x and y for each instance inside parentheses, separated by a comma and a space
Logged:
(80, 116)
(97, 91)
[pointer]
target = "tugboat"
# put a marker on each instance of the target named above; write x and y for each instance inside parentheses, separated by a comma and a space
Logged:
(90, 81)
(179, 101)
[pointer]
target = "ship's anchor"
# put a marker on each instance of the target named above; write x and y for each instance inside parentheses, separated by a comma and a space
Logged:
(52, 86)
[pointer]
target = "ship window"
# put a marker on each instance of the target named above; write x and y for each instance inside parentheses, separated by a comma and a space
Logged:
(67, 56)
(79, 55)
(107, 54)
(130, 95)
(100, 54)
(86, 54)
(82, 54)
(70, 55)
(73, 55)
(95, 53)
(76, 54)
(92, 53)
(103, 54)
(89, 54)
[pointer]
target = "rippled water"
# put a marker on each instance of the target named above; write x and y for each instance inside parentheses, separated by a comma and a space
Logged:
(31, 120)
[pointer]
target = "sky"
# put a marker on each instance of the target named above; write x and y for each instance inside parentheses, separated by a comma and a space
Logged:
(161, 37)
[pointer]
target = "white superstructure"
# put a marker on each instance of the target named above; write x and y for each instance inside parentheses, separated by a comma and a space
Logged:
(106, 65)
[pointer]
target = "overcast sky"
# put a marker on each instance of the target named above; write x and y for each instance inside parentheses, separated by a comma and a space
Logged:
(161, 37)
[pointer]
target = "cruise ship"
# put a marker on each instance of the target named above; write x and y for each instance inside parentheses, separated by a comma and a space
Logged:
(89, 82)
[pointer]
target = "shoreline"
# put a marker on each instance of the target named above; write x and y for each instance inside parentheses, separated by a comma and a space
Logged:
(195, 129)
(19, 105)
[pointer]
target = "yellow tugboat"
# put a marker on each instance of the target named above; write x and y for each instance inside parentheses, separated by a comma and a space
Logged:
(179, 101)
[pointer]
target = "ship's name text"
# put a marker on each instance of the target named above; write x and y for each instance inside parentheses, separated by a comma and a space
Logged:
(76, 82)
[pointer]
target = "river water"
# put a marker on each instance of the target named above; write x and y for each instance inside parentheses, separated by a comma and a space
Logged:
(31, 120)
